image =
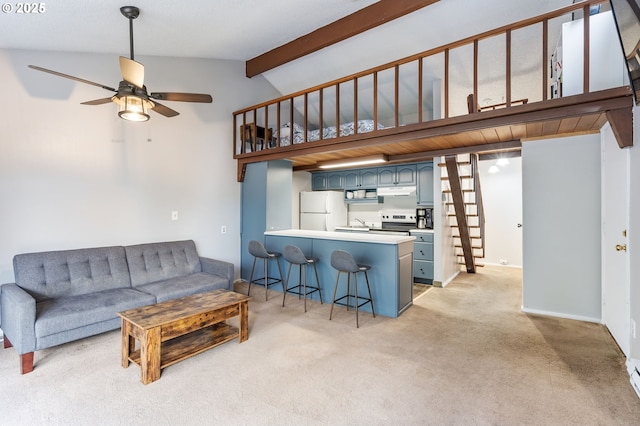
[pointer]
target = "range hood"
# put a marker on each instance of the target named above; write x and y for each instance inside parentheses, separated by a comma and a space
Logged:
(393, 191)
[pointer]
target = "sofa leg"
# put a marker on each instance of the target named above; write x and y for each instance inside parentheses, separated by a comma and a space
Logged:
(26, 363)
(7, 343)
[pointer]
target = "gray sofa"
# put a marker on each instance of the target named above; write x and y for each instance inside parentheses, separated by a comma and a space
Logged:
(61, 296)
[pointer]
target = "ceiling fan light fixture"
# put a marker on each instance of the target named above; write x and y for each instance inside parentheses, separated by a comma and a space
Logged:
(133, 108)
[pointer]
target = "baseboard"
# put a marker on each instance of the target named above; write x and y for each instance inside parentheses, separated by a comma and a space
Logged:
(560, 315)
(501, 265)
(634, 376)
(446, 283)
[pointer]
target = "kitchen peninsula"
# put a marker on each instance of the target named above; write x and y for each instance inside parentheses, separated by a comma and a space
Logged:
(390, 258)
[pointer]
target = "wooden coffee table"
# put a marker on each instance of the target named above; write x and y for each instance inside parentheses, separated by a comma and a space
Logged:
(174, 330)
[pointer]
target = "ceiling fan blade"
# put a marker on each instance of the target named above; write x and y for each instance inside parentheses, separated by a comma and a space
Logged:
(81, 80)
(132, 71)
(164, 110)
(182, 97)
(97, 101)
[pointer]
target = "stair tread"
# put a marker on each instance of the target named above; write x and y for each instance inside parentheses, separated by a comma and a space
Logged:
(462, 163)
(460, 176)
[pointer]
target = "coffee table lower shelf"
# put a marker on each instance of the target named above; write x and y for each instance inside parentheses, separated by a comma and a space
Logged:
(188, 345)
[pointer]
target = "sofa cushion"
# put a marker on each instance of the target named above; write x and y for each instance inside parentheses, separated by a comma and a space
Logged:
(68, 313)
(154, 262)
(184, 286)
(54, 274)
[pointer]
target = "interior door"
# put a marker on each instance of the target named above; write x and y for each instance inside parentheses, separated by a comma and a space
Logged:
(616, 294)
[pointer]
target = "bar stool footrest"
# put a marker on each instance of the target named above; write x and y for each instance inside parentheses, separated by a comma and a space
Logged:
(270, 281)
(299, 292)
(349, 305)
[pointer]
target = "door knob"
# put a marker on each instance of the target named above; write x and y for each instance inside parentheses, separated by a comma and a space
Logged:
(621, 247)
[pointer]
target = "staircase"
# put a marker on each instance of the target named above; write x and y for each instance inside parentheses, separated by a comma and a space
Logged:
(463, 208)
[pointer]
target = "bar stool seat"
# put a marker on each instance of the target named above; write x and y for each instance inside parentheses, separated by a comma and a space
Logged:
(343, 261)
(258, 251)
(295, 256)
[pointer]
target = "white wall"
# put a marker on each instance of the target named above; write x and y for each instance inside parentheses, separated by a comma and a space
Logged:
(634, 233)
(78, 176)
(502, 201)
(561, 217)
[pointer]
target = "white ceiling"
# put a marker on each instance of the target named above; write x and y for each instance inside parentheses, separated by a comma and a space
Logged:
(243, 29)
(222, 29)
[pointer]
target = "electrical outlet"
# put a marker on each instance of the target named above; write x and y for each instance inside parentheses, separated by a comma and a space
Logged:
(223, 229)
(174, 215)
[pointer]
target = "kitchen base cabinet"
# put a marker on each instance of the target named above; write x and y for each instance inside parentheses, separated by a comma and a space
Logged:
(423, 257)
(390, 275)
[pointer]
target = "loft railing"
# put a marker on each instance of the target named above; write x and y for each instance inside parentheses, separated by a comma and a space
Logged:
(427, 86)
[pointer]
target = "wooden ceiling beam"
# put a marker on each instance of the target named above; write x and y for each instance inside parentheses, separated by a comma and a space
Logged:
(358, 22)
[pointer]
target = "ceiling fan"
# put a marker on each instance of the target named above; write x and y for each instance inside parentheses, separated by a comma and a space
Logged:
(131, 95)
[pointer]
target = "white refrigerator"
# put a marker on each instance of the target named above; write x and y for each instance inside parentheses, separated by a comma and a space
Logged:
(322, 210)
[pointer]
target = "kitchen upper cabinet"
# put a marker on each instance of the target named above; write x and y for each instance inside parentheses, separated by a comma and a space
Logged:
(402, 175)
(335, 180)
(323, 181)
(361, 179)
(319, 181)
(425, 184)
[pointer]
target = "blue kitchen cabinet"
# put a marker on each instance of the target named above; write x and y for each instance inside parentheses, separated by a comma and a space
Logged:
(423, 257)
(361, 179)
(327, 181)
(319, 181)
(425, 184)
(401, 175)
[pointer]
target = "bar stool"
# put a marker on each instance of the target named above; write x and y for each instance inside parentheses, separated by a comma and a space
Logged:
(343, 261)
(295, 256)
(258, 251)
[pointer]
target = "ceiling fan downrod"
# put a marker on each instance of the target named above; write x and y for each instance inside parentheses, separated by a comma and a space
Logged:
(131, 13)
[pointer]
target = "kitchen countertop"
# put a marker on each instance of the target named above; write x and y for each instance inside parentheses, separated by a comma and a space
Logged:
(424, 231)
(344, 236)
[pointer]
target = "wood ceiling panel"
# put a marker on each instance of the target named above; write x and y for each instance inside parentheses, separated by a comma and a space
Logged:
(490, 135)
(534, 130)
(586, 123)
(568, 125)
(504, 133)
(518, 131)
(550, 128)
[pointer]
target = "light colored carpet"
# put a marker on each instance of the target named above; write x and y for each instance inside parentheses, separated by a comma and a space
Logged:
(461, 355)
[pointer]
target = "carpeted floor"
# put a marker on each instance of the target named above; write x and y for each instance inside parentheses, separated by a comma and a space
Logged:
(462, 355)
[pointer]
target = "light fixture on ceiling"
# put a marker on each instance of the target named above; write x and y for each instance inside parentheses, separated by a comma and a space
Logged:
(351, 162)
(494, 169)
(131, 96)
(133, 108)
(502, 161)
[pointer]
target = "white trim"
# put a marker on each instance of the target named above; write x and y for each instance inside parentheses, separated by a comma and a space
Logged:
(560, 315)
(634, 376)
(451, 278)
(501, 265)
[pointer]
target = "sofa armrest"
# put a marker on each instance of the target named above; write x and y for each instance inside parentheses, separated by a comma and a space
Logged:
(18, 309)
(218, 267)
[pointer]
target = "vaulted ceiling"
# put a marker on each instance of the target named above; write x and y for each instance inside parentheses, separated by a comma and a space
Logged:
(245, 29)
